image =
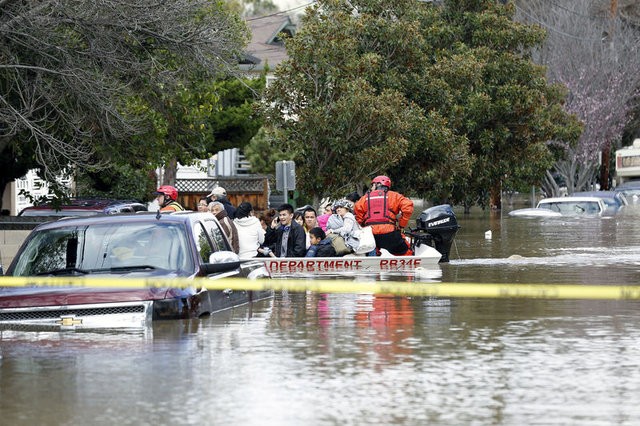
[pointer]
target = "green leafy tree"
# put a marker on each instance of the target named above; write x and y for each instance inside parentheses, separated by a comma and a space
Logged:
(339, 128)
(445, 99)
(263, 151)
(507, 110)
(197, 119)
(206, 117)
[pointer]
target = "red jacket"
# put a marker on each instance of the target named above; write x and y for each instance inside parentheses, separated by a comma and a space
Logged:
(396, 203)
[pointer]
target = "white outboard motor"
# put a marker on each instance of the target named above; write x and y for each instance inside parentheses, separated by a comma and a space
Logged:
(437, 227)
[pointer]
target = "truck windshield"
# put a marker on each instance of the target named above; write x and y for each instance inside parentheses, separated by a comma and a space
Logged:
(103, 247)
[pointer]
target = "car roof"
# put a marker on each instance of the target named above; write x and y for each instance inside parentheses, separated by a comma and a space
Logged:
(570, 199)
(599, 194)
(610, 197)
(82, 207)
(632, 184)
(141, 217)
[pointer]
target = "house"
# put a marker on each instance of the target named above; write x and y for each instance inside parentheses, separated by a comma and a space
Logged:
(229, 168)
(266, 48)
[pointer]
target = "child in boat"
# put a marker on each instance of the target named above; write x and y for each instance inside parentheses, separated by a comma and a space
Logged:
(320, 245)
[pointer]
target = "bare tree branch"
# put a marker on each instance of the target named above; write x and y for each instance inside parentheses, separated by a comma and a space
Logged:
(66, 67)
(596, 55)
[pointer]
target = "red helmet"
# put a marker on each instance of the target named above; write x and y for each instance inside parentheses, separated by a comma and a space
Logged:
(382, 180)
(168, 191)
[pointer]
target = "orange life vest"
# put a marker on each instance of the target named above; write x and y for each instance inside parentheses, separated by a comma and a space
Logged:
(173, 206)
(378, 211)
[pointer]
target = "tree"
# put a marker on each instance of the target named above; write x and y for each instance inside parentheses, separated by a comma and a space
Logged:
(68, 71)
(594, 53)
(444, 98)
(263, 151)
(341, 123)
(200, 119)
(501, 103)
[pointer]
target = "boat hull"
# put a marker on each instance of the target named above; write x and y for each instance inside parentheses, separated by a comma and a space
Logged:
(281, 267)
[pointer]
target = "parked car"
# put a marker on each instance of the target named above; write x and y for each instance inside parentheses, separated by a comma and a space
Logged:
(534, 212)
(178, 245)
(564, 206)
(614, 201)
(85, 207)
(630, 190)
(574, 206)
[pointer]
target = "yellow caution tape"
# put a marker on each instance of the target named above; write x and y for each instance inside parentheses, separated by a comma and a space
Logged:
(465, 290)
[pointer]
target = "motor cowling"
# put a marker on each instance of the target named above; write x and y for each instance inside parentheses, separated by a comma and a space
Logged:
(437, 226)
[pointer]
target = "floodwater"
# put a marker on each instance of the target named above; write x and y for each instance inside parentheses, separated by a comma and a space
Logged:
(362, 359)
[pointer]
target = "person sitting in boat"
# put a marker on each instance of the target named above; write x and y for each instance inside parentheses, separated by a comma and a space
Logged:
(310, 218)
(343, 223)
(324, 217)
(289, 238)
(299, 217)
(320, 245)
(219, 194)
(380, 208)
(250, 232)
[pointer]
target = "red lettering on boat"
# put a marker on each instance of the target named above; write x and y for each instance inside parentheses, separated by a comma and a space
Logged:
(310, 265)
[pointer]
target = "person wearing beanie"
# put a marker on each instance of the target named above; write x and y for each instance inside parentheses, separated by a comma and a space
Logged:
(250, 231)
(244, 210)
(343, 223)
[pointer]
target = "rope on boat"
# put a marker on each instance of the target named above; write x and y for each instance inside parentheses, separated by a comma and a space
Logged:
(442, 290)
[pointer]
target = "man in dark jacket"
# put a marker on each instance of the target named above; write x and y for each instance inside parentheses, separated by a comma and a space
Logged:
(220, 194)
(320, 245)
(289, 240)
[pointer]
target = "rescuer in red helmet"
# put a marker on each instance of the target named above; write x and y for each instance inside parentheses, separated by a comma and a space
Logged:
(387, 212)
(167, 197)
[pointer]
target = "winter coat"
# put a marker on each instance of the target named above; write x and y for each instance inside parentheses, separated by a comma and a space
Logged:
(229, 229)
(250, 236)
(296, 244)
(322, 221)
(323, 249)
(396, 204)
(346, 227)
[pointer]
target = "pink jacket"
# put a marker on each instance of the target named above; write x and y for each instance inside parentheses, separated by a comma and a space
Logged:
(322, 221)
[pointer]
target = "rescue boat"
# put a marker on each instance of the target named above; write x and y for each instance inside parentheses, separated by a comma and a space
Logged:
(431, 242)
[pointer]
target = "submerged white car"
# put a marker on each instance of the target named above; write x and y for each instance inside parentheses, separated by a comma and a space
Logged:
(564, 206)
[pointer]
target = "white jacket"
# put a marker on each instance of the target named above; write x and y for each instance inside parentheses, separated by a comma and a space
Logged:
(250, 236)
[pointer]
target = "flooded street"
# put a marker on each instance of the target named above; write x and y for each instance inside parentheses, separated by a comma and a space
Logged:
(362, 359)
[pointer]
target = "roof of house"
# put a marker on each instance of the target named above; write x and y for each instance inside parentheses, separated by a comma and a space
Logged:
(266, 46)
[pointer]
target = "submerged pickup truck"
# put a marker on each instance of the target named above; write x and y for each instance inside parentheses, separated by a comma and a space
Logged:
(144, 245)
